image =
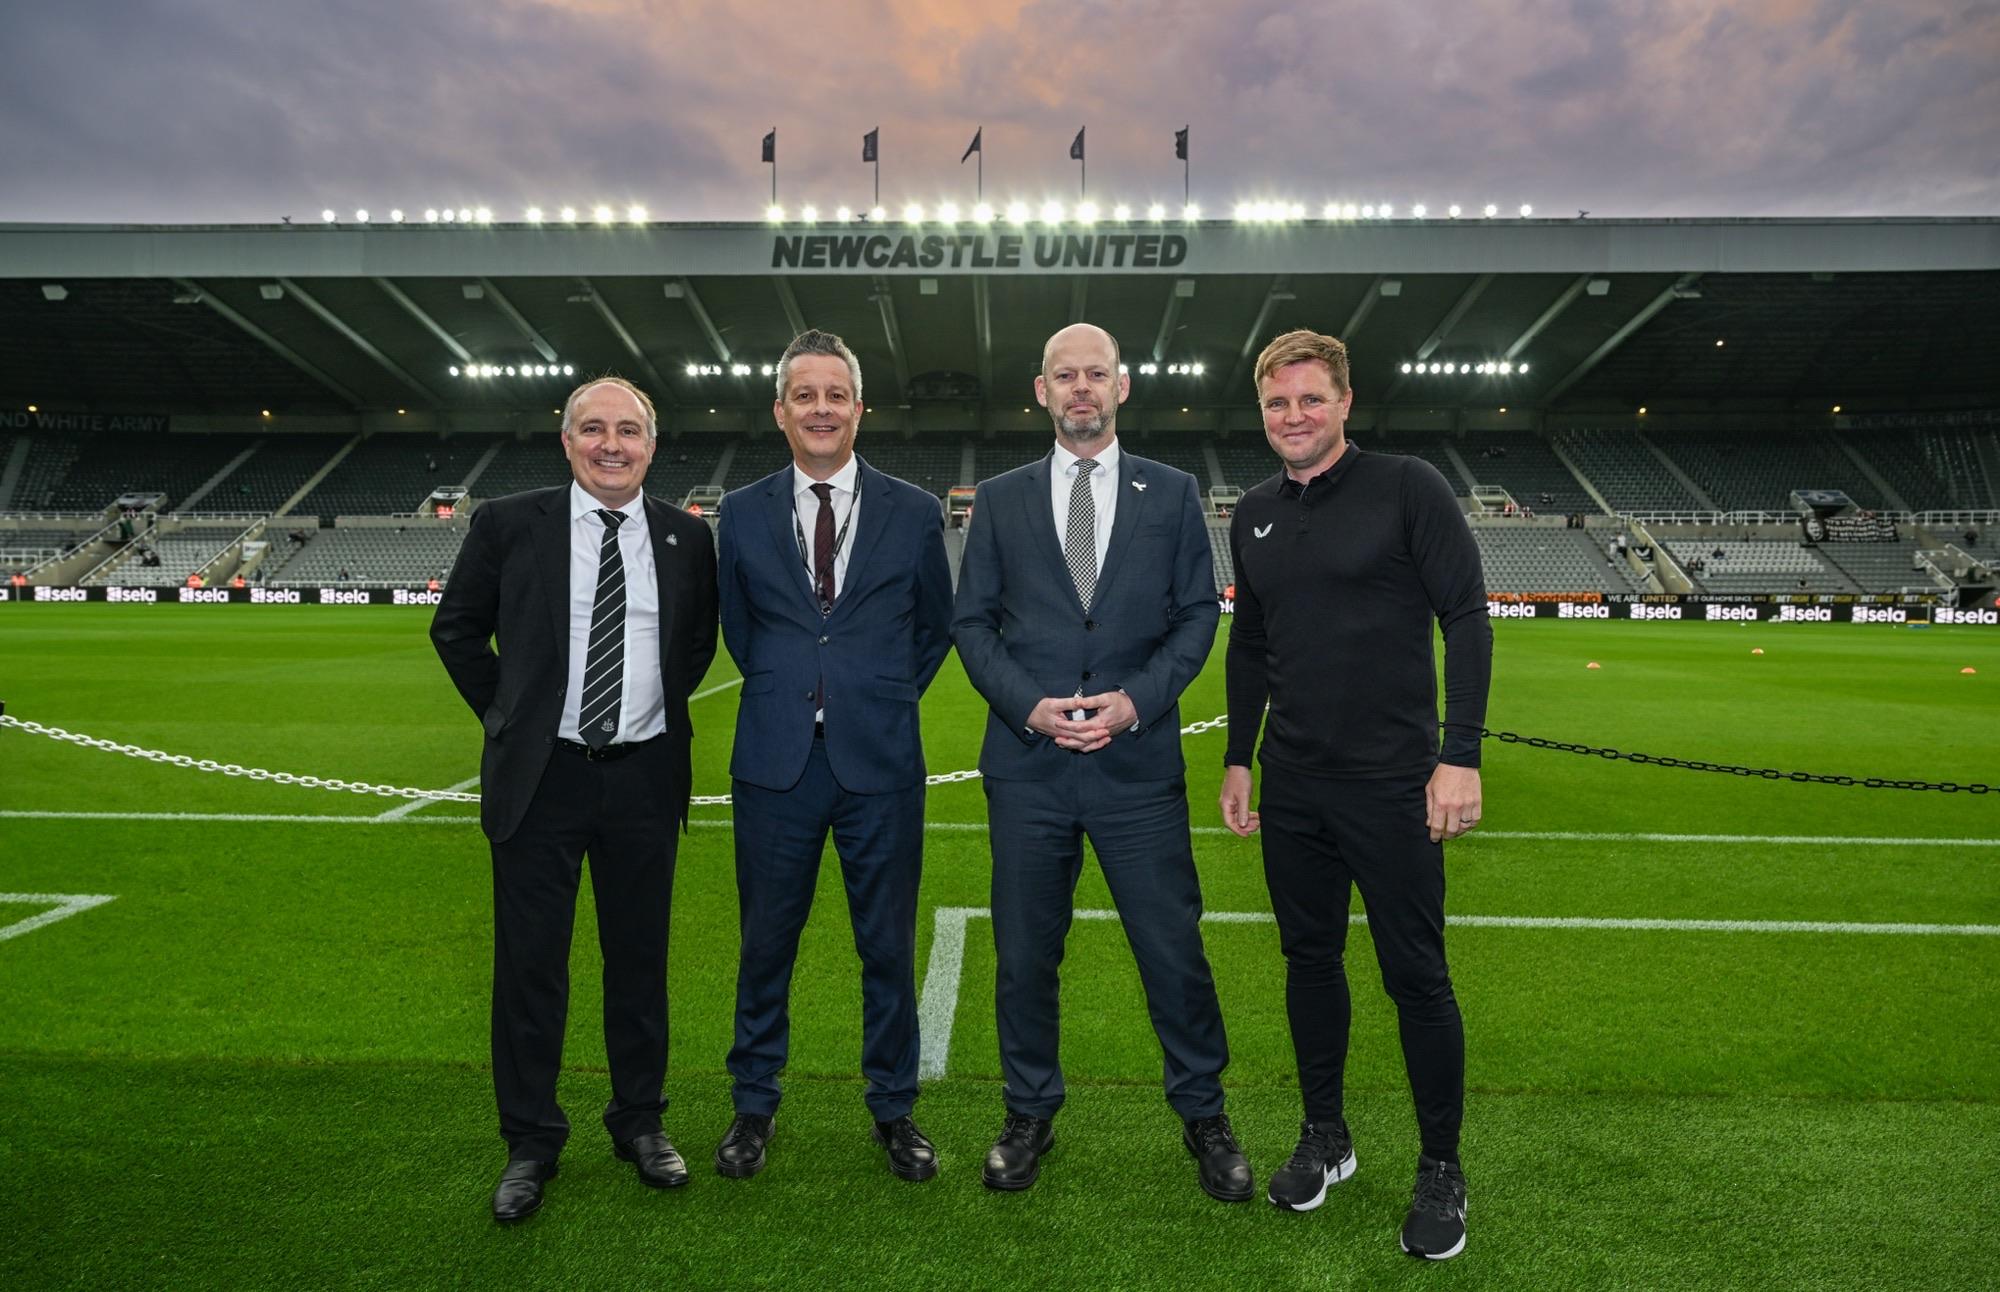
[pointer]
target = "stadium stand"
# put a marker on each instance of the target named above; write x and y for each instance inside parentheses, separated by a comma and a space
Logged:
(1181, 451)
(21, 548)
(1522, 463)
(1733, 565)
(1625, 471)
(49, 459)
(1536, 558)
(1757, 472)
(180, 555)
(1878, 567)
(1246, 459)
(929, 462)
(1931, 469)
(390, 475)
(1010, 449)
(1428, 446)
(369, 555)
(175, 465)
(522, 464)
(272, 474)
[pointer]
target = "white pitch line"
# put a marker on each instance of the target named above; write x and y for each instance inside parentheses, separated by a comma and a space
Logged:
(715, 690)
(416, 805)
(937, 1008)
(67, 904)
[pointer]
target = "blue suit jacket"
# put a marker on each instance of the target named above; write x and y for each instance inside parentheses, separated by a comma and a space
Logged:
(1023, 635)
(878, 650)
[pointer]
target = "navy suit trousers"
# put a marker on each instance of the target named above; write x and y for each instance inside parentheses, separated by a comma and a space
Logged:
(1139, 830)
(780, 836)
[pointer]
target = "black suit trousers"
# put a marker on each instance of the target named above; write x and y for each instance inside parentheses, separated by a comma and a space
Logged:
(618, 814)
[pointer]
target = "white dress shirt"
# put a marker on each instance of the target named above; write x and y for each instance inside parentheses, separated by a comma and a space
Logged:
(642, 705)
(805, 506)
(1103, 492)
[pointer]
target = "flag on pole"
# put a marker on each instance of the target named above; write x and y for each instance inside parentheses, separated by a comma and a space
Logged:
(1180, 144)
(868, 145)
(771, 145)
(973, 147)
(1076, 146)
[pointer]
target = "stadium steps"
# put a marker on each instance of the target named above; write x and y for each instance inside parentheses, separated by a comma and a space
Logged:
(1890, 494)
(1466, 476)
(1589, 488)
(479, 467)
(326, 469)
(202, 490)
(10, 475)
(1673, 468)
(1988, 449)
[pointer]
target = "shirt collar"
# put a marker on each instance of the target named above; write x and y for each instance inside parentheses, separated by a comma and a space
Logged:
(581, 504)
(1324, 478)
(1065, 461)
(842, 480)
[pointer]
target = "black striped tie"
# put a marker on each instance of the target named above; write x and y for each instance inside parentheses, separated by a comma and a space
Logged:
(1080, 536)
(604, 661)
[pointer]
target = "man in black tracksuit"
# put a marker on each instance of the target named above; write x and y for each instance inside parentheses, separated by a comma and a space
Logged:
(1344, 562)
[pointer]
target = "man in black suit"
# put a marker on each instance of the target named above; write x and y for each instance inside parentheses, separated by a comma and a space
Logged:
(1086, 604)
(602, 604)
(836, 604)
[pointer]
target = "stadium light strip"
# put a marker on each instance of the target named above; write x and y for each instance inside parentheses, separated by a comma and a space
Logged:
(476, 371)
(1483, 368)
(1050, 212)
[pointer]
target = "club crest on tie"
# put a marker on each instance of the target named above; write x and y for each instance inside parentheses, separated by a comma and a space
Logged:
(607, 725)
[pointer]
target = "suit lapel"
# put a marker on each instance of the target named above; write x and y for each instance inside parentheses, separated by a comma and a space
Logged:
(1037, 505)
(552, 552)
(867, 528)
(665, 555)
(778, 519)
(1131, 505)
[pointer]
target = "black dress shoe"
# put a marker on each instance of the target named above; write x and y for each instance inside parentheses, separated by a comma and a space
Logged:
(740, 1155)
(1225, 1172)
(1016, 1157)
(911, 1155)
(520, 1193)
(659, 1162)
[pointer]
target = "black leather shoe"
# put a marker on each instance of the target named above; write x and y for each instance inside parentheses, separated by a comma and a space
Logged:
(1225, 1172)
(911, 1155)
(740, 1155)
(659, 1162)
(1016, 1157)
(520, 1193)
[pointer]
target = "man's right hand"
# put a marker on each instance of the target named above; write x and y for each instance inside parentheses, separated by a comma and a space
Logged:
(1050, 716)
(1236, 813)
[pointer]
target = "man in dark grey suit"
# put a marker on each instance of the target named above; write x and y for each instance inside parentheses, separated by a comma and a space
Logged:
(1086, 605)
(602, 603)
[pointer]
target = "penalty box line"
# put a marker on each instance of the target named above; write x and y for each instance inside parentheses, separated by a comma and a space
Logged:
(66, 905)
(937, 1009)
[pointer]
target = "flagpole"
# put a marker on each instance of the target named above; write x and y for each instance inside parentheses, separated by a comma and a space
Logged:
(980, 194)
(878, 174)
(774, 165)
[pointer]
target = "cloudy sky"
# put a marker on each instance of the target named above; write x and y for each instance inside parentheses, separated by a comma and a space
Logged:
(245, 110)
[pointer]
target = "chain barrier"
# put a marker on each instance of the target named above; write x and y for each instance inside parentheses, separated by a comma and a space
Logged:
(947, 778)
(1731, 769)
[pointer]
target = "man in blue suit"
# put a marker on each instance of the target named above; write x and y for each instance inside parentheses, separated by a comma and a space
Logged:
(836, 606)
(1086, 604)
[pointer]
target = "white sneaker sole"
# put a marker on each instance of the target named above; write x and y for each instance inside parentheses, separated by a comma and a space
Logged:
(1334, 1175)
(1456, 1247)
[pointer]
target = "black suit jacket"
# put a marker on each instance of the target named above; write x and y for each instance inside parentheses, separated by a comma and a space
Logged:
(510, 589)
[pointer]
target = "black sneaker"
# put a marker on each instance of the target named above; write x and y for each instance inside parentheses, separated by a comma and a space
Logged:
(1325, 1156)
(1435, 1229)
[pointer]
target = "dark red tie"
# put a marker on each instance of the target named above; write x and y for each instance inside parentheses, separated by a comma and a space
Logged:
(823, 546)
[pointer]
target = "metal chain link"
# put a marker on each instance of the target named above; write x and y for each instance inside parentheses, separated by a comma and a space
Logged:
(386, 791)
(1731, 769)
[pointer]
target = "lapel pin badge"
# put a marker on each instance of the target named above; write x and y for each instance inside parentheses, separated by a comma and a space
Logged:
(673, 540)
(1140, 485)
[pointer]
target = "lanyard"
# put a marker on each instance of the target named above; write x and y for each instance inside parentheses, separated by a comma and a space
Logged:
(839, 540)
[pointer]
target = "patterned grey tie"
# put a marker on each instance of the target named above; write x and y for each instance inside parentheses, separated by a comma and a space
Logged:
(604, 661)
(1080, 535)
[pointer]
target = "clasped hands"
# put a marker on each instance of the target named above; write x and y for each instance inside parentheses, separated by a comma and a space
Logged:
(1105, 715)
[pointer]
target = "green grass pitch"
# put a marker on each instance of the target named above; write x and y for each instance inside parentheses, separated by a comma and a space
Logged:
(262, 1064)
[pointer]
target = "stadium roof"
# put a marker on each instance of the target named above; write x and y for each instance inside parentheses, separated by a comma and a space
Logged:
(949, 320)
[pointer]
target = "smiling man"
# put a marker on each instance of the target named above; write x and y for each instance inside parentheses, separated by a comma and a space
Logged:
(1345, 563)
(602, 604)
(836, 605)
(1086, 605)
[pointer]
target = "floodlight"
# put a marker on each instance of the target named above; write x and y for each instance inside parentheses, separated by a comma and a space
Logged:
(913, 212)
(430, 215)
(464, 215)
(568, 215)
(1192, 211)
(1368, 211)
(1506, 368)
(1243, 211)
(510, 369)
(983, 213)
(453, 370)
(484, 215)
(1406, 369)
(569, 370)
(1419, 210)
(361, 216)
(843, 214)
(1052, 212)
(396, 216)
(1350, 211)
(878, 213)
(1198, 369)
(809, 213)
(327, 215)
(1121, 212)
(449, 215)
(636, 214)
(1017, 212)
(1522, 368)
(694, 370)
(948, 212)
(1385, 210)
(1086, 212)
(1526, 210)
(774, 213)
(534, 215)
(602, 214)
(1452, 210)
(1157, 211)
(1489, 210)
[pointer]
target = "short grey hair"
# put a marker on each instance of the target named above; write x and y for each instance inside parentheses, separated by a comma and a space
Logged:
(569, 405)
(814, 341)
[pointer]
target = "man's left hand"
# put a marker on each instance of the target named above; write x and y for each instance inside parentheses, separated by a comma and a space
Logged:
(1451, 801)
